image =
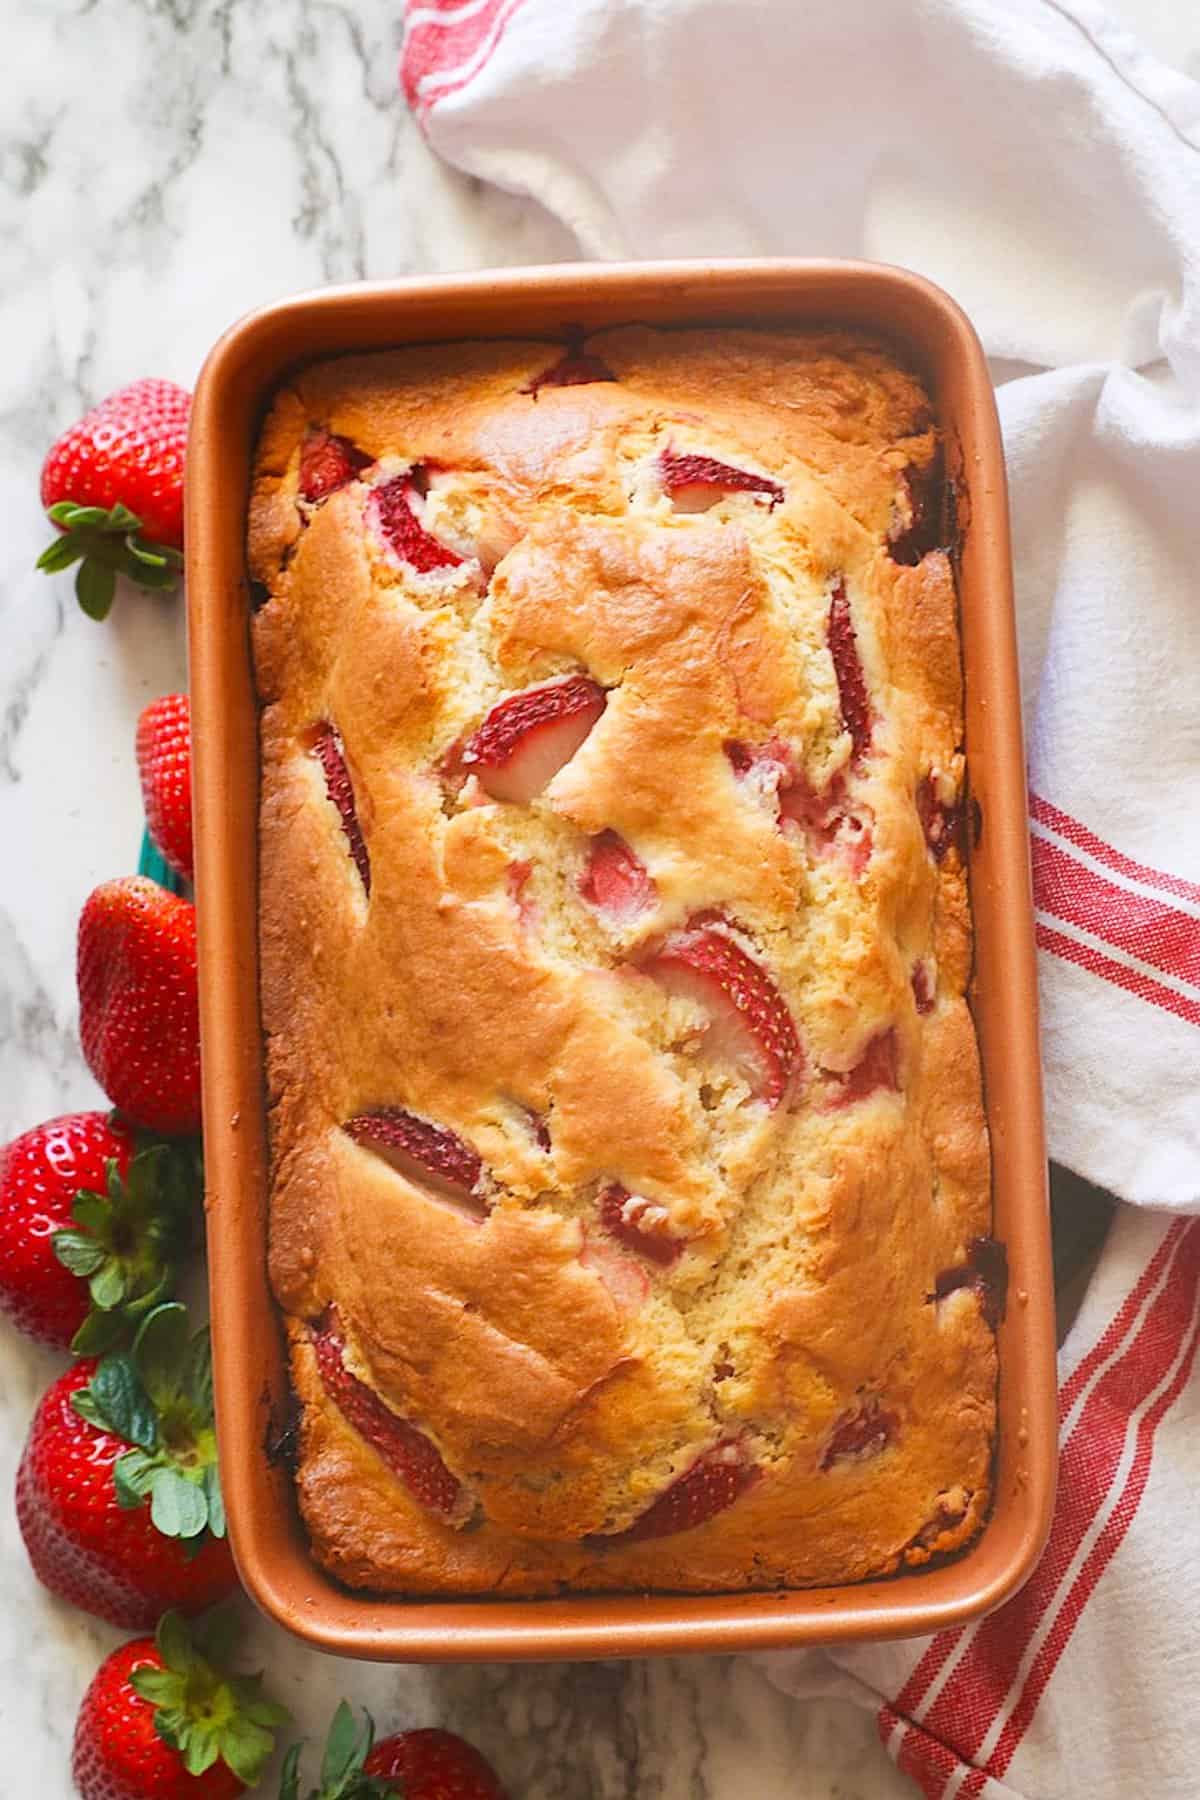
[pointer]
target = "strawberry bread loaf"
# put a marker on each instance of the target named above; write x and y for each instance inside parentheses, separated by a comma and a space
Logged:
(630, 1189)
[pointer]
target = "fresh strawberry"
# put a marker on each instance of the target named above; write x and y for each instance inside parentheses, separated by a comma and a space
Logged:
(328, 462)
(640, 1224)
(528, 737)
(164, 760)
(847, 666)
(576, 367)
(695, 483)
(118, 1496)
(877, 1067)
(861, 1432)
(715, 1480)
(941, 824)
(749, 1023)
(164, 1719)
(985, 1272)
(330, 753)
(407, 1452)
(138, 1004)
(428, 1154)
(614, 880)
(429, 1764)
(113, 486)
(395, 511)
(41, 1172)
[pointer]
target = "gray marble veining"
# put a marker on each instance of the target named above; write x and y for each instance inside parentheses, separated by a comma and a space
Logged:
(164, 166)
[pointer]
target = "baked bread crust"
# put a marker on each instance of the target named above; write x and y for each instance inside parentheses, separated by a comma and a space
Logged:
(780, 753)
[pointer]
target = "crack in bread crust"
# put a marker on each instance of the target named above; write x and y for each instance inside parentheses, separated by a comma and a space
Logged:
(568, 1369)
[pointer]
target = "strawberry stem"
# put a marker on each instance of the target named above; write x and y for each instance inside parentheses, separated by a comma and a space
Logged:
(202, 1709)
(106, 542)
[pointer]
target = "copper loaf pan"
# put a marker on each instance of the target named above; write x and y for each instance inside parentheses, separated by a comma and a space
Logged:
(251, 1380)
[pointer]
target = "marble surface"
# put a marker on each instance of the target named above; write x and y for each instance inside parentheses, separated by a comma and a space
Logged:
(230, 154)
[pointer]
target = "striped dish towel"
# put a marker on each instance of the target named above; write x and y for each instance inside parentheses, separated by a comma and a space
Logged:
(1038, 162)
(1084, 1684)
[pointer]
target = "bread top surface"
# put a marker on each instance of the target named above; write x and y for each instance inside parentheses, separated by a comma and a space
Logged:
(797, 1140)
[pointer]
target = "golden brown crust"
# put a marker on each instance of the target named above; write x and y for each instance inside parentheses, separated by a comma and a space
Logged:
(816, 1230)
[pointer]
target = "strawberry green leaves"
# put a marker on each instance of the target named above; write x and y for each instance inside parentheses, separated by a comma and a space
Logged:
(201, 1709)
(343, 1776)
(157, 1396)
(128, 1242)
(105, 542)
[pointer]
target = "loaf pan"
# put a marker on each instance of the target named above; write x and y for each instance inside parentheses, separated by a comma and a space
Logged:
(251, 1378)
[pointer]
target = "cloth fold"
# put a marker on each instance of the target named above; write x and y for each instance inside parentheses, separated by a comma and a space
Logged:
(1041, 165)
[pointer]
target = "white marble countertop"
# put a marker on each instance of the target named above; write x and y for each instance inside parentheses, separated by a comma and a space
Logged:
(229, 155)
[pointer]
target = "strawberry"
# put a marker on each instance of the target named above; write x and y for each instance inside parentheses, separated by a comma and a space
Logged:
(429, 1764)
(877, 1067)
(916, 526)
(107, 1438)
(861, 1432)
(576, 367)
(695, 483)
(847, 666)
(328, 462)
(40, 1174)
(422, 1152)
(622, 1275)
(395, 511)
(330, 753)
(985, 1272)
(829, 823)
(113, 486)
(91, 1234)
(164, 760)
(528, 737)
(941, 824)
(407, 1452)
(614, 880)
(163, 1719)
(715, 1480)
(749, 1023)
(138, 1004)
(923, 987)
(640, 1224)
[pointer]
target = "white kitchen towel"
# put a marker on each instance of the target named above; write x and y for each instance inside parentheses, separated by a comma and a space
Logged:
(1031, 157)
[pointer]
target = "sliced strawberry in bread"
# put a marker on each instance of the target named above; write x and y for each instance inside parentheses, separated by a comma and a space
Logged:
(640, 1224)
(528, 737)
(715, 1480)
(877, 1067)
(614, 880)
(328, 462)
(847, 666)
(426, 1154)
(749, 1023)
(694, 483)
(408, 1453)
(941, 824)
(576, 367)
(395, 511)
(829, 822)
(916, 516)
(861, 1432)
(621, 1274)
(924, 987)
(985, 1272)
(328, 749)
